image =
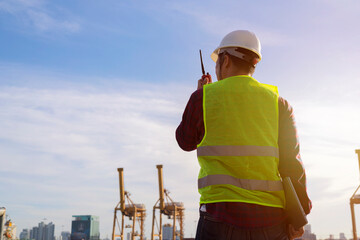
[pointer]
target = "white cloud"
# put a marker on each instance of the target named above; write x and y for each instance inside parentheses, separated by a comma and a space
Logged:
(17, 5)
(213, 21)
(45, 22)
(60, 149)
(36, 14)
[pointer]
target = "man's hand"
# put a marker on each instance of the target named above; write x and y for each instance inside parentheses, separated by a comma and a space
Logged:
(205, 79)
(295, 233)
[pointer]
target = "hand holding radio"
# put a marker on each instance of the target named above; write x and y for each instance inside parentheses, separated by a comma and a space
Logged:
(206, 78)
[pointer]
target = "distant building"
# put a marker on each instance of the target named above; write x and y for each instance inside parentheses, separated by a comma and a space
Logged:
(65, 236)
(34, 232)
(41, 227)
(308, 235)
(167, 232)
(307, 228)
(85, 227)
(49, 232)
(25, 234)
(342, 236)
(43, 232)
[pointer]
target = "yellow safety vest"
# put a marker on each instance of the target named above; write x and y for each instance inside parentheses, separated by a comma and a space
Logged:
(239, 154)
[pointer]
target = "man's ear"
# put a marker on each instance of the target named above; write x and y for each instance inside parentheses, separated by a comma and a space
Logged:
(226, 61)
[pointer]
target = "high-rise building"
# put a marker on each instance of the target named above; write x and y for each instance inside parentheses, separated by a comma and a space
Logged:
(342, 236)
(25, 234)
(34, 233)
(85, 227)
(49, 232)
(43, 232)
(307, 228)
(65, 236)
(307, 233)
(167, 232)
(41, 227)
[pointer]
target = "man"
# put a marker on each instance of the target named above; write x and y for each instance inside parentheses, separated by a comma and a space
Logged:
(245, 137)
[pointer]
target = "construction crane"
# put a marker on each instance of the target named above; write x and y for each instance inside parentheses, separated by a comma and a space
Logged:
(173, 210)
(355, 199)
(135, 212)
(2, 220)
(7, 230)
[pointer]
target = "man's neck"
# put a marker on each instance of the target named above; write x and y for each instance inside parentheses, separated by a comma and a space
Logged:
(233, 74)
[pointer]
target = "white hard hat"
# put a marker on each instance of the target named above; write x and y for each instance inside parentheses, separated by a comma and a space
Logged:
(239, 39)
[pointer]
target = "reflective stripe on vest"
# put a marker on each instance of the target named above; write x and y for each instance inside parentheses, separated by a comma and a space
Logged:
(248, 184)
(238, 151)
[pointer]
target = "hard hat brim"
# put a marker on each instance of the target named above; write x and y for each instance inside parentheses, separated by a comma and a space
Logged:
(214, 56)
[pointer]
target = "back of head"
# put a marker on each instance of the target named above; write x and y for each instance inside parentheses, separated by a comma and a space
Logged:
(243, 59)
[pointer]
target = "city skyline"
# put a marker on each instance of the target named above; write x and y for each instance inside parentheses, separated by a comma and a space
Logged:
(167, 232)
(88, 88)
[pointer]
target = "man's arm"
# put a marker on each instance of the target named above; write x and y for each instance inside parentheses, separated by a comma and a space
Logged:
(290, 164)
(191, 130)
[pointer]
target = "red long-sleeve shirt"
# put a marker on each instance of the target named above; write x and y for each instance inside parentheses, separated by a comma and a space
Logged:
(191, 131)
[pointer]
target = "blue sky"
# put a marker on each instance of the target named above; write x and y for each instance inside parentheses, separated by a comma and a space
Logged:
(86, 87)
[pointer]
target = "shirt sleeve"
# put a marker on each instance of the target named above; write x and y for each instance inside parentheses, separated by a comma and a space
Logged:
(290, 163)
(191, 130)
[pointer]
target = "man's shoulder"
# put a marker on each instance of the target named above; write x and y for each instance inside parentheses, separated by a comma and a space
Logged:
(197, 95)
(285, 109)
(284, 104)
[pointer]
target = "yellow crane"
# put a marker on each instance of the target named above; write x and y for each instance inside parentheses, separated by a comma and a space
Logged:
(355, 199)
(2, 220)
(7, 230)
(135, 212)
(173, 210)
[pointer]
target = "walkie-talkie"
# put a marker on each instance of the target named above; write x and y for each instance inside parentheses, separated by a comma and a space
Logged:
(202, 64)
(207, 75)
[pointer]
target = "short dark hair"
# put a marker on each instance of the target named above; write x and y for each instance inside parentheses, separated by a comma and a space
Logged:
(240, 63)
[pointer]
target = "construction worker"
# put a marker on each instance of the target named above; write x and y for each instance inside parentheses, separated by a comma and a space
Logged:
(245, 137)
